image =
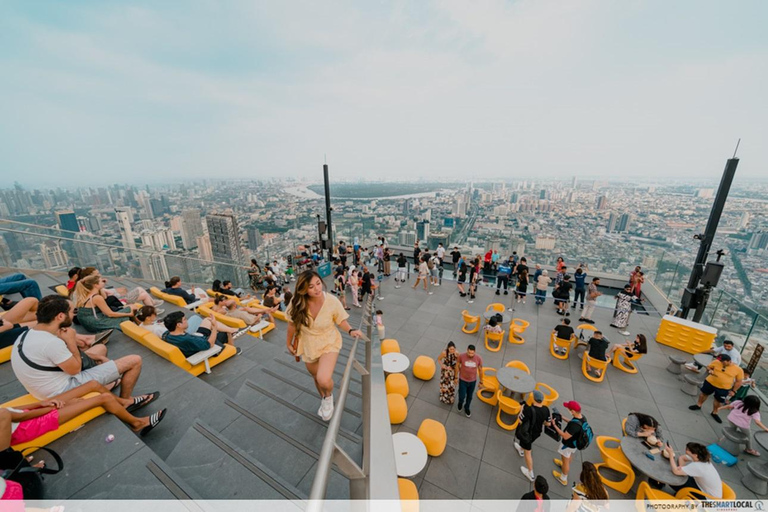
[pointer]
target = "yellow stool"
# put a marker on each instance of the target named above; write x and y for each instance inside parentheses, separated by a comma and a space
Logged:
(519, 365)
(409, 495)
(424, 368)
(497, 337)
(550, 394)
(614, 458)
(432, 434)
(626, 363)
(397, 383)
(471, 323)
(389, 345)
(508, 406)
(517, 328)
(398, 410)
(595, 365)
(558, 343)
(490, 385)
(689, 493)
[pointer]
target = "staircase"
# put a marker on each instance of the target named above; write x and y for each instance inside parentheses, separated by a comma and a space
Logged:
(250, 430)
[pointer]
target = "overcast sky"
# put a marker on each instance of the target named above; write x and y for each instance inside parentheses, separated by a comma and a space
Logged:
(106, 91)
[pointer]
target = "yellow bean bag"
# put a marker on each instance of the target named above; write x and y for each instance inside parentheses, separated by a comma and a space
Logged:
(398, 410)
(432, 434)
(397, 383)
(424, 368)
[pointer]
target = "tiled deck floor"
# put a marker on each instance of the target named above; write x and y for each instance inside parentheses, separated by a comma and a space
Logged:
(480, 461)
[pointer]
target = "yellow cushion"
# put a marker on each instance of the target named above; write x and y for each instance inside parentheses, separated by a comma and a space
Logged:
(66, 428)
(389, 345)
(409, 493)
(62, 290)
(397, 383)
(5, 354)
(432, 434)
(171, 352)
(167, 297)
(424, 368)
(398, 410)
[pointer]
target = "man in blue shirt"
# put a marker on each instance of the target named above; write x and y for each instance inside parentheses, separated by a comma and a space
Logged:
(502, 275)
(190, 344)
(580, 288)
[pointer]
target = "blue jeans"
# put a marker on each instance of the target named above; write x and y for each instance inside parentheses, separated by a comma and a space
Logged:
(19, 283)
(466, 391)
(541, 296)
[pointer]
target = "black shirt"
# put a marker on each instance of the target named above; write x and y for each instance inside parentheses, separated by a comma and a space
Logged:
(533, 419)
(402, 261)
(520, 269)
(573, 428)
(564, 332)
(455, 256)
(597, 348)
(564, 290)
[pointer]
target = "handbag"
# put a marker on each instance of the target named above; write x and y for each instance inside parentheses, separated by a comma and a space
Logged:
(15, 467)
(114, 303)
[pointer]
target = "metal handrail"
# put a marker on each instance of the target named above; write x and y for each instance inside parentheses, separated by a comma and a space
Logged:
(331, 452)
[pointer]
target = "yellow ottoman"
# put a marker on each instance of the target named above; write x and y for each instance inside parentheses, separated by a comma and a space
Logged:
(397, 383)
(389, 345)
(409, 494)
(432, 434)
(398, 410)
(424, 368)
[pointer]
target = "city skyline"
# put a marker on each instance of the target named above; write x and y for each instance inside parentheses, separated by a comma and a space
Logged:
(147, 92)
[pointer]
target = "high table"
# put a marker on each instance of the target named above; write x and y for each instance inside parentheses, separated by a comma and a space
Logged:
(410, 454)
(659, 469)
(395, 362)
(517, 381)
(703, 359)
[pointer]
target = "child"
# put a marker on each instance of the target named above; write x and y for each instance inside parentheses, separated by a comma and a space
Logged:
(747, 383)
(380, 323)
(493, 326)
(741, 416)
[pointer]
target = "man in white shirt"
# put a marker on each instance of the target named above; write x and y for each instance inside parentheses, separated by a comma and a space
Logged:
(440, 253)
(727, 348)
(47, 362)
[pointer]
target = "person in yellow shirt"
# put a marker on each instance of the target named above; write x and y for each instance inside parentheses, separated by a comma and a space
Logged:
(723, 381)
(313, 317)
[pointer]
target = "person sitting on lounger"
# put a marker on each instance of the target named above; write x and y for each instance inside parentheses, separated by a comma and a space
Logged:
(207, 335)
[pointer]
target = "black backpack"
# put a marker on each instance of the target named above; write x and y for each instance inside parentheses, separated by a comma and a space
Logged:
(15, 467)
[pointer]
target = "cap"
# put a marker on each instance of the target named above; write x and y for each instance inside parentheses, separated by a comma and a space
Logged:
(538, 396)
(573, 405)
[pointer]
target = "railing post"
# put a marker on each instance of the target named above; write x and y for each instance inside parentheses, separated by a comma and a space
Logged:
(672, 281)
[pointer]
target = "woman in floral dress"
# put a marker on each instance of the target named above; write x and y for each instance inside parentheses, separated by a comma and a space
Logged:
(449, 373)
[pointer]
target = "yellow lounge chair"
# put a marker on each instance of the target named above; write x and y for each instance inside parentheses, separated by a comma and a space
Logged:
(167, 297)
(206, 311)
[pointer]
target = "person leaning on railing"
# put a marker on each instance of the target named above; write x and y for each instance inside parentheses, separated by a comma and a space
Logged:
(312, 334)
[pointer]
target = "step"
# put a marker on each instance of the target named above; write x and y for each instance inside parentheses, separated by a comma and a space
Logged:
(309, 400)
(285, 412)
(300, 375)
(217, 469)
(339, 372)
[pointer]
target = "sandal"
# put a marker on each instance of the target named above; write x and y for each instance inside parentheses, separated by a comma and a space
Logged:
(141, 401)
(154, 420)
(752, 452)
(103, 337)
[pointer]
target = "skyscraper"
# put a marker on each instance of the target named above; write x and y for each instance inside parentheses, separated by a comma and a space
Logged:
(624, 221)
(601, 203)
(67, 221)
(422, 231)
(191, 227)
(204, 247)
(225, 246)
(611, 227)
(124, 218)
(254, 238)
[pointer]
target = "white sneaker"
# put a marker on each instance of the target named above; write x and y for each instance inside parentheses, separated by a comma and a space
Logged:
(528, 474)
(158, 302)
(326, 408)
(519, 449)
(431, 293)
(437, 284)
(692, 367)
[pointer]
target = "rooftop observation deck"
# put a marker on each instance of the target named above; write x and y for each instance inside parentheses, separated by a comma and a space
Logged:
(250, 431)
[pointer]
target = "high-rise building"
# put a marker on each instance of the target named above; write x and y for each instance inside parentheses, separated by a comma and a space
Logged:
(422, 231)
(573, 182)
(124, 219)
(204, 247)
(744, 221)
(67, 221)
(601, 203)
(758, 241)
(5, 253)
(254, 238)
(153, 266)
(542, 194)
(611, 227)
(406, 208)
(407, 238)
(225, 245)
(460, 208)
(180, 264)
(191, 227)
(546, 243)
(53, 256)
(86, 252)
(83, 224)
(624, 222)
(439, 237)
(146, 205)
(705, 193)
(159, 240)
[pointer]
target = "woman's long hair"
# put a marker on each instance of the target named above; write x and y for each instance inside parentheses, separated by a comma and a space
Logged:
(750, 404)
(84, 287)
(216, 286)
(645, 420)
(593, 486)
(643, 344)
(299, 302)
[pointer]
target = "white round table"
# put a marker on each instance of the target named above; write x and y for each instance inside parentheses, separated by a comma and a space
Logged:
(410, 454)
(395, 362)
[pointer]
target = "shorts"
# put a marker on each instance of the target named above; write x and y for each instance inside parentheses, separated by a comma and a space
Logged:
(221, 337)
(566, 451)
(36, 427)
(434, 272)
(8, 338)
(525, 444)
(720, 394)
(462, 280)
(103, 374)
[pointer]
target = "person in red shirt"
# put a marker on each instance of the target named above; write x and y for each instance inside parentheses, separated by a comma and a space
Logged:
(470, 370)
(73, 274)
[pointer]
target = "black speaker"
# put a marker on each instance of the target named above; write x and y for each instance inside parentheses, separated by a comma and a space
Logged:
(321, 226)
(712, 272)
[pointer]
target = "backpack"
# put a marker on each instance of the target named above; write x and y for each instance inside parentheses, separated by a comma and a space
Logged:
(584, 437)
(15, 467)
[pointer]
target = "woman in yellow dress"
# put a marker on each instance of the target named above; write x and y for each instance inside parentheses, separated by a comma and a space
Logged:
(312, 334)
